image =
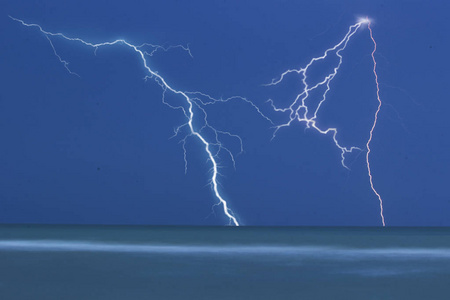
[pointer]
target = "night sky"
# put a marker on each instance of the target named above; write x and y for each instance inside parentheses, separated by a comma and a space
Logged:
(97, 149)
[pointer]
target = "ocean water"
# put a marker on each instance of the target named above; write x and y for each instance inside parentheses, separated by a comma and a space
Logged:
(140, 262)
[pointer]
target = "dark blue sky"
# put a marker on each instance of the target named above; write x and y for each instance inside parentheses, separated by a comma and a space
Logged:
(96, 149)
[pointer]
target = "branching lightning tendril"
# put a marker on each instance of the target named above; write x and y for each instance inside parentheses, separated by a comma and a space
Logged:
(300, 109)
(195, 101)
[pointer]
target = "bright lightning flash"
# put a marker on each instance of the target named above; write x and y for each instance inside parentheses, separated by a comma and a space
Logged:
(300, 110)
(193, 108)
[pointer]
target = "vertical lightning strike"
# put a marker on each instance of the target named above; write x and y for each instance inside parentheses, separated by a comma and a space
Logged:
(194, 101)
(300, 111)
(374, 122)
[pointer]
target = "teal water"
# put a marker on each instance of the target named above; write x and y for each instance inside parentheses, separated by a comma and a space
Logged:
(138, 262)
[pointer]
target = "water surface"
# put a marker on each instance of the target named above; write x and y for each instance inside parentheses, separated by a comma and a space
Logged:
(139, 262)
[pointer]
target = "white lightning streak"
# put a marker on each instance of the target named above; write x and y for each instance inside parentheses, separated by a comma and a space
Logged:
(299, 109)
(194, 101)
(374, 123)
(300, 100)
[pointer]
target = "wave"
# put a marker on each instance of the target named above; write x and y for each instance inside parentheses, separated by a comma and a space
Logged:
(306, 251)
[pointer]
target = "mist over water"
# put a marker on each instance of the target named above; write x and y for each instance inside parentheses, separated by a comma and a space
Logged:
(112, 262)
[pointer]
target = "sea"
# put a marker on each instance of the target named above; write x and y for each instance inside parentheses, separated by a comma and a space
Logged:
(152, 262)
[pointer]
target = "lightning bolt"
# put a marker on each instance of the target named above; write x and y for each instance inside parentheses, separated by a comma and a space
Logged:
(195, 103)
(374, 122)
(300, 109)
